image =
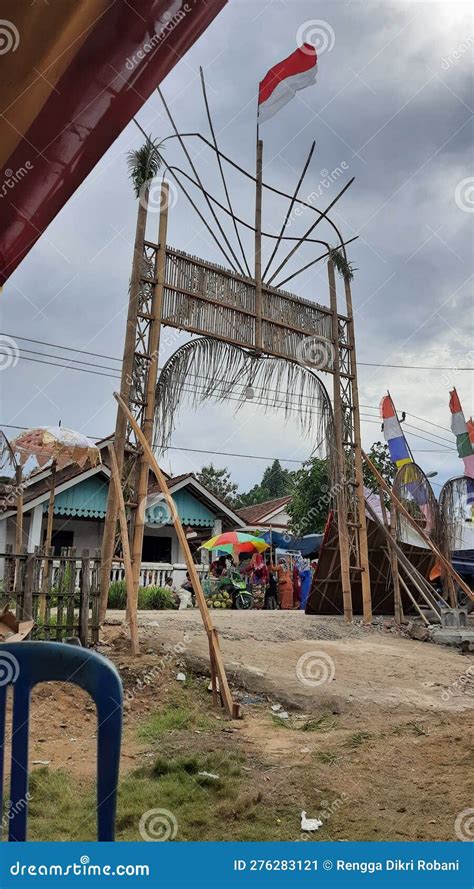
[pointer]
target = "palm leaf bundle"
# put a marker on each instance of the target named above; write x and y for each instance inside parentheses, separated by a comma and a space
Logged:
(143, 163)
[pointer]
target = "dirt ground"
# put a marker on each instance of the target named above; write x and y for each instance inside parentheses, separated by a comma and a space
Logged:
(379, 735)
(357, 665)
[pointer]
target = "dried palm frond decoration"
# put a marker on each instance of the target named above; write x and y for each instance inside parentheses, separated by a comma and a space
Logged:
(413, 489)
(223, 370)
(144, 163)
(345, 268)
(455, 513)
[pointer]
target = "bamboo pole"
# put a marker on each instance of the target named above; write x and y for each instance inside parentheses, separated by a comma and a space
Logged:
(47, 544)
(108, 540)
(150, 388)
(418, 581)
(397, 599)
(340, 459)
(19, 509)
(290, 209)
(258, 246)
(221, 170)
(131, 599)
(359, 475)
(400, 507)
(214, 647)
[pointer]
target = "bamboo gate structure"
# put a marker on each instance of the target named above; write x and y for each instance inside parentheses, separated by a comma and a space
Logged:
(233, 307)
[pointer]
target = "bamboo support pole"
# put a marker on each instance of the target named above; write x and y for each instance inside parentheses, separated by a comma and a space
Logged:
(418, 581)
(290, 210)
(122, 516)
(110, 524)
(216, 656)
(359, 475)
(47, 544)
(340, 458)
(258, 246)
(150, 388)
(18, 522)
(414, 602)
(397, 599)
(400, 507)
(19, 509)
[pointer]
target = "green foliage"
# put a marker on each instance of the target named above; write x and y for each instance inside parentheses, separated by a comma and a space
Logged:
(380, 456)
(178, 717)
(155, 598)
(117, 594)
(149, 597)
(144, 163)
(219, 482)
(276, 482)
(311, 497)
(345, 268)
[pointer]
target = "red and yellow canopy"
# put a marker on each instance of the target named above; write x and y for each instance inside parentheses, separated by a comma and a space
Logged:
(74, 73)
(236, 542)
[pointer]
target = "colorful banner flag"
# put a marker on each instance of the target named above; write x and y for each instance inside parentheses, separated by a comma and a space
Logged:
(393, 434)
(464, 433)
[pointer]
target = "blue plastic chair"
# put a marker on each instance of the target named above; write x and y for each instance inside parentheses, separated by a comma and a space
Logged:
(23, 665)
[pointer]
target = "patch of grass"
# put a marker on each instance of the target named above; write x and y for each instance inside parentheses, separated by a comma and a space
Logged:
(328, 757)
(171, 719)
(59, 808)
(358, 738)
(416, 728)
(322, 723)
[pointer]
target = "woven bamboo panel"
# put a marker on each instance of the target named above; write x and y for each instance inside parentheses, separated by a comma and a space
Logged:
(207, 299)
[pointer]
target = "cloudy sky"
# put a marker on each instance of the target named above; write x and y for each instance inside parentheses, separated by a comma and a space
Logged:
(392, 107)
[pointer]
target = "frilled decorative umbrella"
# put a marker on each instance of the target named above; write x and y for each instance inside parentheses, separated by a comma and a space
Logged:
(236, 542)
(60, 445)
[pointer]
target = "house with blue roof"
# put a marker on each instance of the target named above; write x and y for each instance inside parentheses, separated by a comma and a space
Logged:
(80, 506)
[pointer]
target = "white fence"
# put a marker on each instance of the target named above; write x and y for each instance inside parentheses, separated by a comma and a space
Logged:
(154, 573)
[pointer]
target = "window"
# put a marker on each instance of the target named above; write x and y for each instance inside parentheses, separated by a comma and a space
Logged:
(156, 549)
(60, 539)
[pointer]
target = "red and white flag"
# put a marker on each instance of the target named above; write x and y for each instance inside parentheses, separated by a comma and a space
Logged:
(283, 80)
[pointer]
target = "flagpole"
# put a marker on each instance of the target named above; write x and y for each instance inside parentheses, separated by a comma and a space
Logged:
(258, 242)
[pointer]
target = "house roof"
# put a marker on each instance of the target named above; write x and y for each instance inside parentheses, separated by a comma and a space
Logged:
(37, 488)
(261, 511)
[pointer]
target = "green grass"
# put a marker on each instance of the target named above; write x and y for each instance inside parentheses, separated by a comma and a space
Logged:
(328, 757)
(322, 723)
(172, 719)
(227, 808)
(358, 738)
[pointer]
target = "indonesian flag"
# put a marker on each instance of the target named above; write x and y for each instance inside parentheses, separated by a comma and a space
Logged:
(283, 80)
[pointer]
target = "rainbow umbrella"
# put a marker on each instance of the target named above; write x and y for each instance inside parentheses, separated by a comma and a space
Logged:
(237, 542)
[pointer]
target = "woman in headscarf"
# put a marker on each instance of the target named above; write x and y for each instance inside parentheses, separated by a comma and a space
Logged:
(285, 583)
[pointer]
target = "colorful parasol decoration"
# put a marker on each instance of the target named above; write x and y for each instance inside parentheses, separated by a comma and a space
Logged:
(236, 542)
(55, 443)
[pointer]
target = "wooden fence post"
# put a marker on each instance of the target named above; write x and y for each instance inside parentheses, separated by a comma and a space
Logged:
(85, 587)
(27, 603)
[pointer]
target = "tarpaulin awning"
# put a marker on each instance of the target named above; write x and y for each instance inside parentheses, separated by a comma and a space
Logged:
(74, 74)
(310, 543)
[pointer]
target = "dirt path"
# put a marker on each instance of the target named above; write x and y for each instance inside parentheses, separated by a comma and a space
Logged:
(380, 749)
(311, 662)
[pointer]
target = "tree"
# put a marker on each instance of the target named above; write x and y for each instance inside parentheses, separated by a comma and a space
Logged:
(276, 482)
(219, 482)
(380, 456)
(311, 496)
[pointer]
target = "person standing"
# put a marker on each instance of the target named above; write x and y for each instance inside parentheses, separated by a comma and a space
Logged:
(285, 583)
